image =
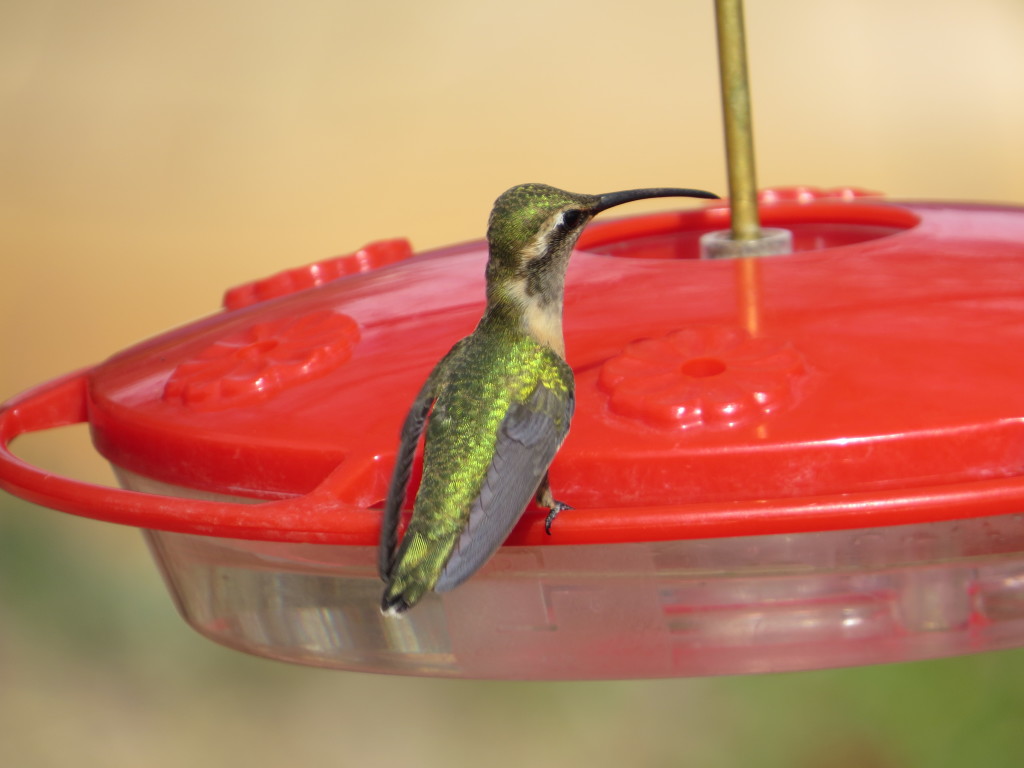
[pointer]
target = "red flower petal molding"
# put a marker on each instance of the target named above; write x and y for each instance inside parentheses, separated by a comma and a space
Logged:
(707, 376)
(263, 359)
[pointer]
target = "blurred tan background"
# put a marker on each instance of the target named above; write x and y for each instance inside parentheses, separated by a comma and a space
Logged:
(153, 154)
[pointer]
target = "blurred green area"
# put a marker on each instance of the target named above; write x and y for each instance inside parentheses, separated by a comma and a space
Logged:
(96, 669)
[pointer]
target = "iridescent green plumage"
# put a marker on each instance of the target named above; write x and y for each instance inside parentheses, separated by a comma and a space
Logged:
(477, 385)
(499, 403)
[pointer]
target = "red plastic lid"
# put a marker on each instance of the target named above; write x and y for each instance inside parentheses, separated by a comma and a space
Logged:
(870, 378)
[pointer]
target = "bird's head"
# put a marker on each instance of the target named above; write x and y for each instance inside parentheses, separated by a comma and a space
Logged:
(532, 231)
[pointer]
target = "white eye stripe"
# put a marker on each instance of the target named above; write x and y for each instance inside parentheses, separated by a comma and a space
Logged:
(555, 229)
(539, 246)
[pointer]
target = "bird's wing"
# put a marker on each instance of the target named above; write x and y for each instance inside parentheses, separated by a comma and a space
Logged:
(410, 437)
(528, 439)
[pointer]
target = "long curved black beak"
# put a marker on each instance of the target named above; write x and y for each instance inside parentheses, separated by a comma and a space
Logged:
(611, 199)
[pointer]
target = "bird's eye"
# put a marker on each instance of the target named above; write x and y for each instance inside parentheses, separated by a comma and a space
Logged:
(571, 218)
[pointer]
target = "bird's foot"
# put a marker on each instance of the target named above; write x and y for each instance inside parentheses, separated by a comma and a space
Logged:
(556, 507)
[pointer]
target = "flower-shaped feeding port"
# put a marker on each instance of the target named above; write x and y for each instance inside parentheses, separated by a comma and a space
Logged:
(713, 376)
(263, 359)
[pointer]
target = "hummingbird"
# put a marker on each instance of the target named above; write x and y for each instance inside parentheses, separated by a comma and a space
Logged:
(497, 407)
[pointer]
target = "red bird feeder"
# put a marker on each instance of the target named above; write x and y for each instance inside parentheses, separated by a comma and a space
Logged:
(798, 461)
(816, 462)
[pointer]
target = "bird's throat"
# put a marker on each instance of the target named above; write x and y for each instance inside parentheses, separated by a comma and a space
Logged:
(538, 315)
(543, 321)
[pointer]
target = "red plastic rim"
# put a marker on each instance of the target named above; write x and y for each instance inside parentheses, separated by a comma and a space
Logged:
(614, 372)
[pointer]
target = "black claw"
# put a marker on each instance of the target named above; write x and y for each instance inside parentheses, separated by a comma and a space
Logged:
(557, 507)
